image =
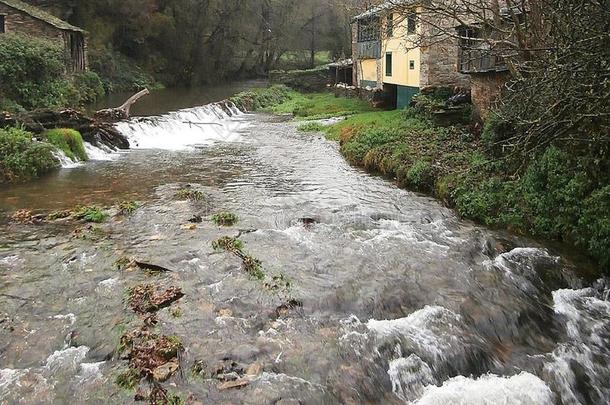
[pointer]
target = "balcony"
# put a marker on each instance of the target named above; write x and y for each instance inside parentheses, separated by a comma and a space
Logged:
(480, 61)
(368, 50)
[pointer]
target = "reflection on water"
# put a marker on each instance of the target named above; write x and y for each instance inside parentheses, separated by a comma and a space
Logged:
(172, 99)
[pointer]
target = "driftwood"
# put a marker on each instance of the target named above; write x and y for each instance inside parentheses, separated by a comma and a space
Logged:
(122, 112)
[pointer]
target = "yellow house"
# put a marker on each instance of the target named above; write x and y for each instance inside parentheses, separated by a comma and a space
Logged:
(389, 53)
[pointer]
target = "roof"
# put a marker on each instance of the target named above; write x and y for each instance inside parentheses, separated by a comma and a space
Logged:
(41, 15)
(387, 5)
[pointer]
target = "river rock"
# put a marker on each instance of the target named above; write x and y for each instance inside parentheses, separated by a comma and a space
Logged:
(164, 372)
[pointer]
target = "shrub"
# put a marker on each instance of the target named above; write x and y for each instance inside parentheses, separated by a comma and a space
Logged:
(69, 141)
(32, 72)
(228, 243)
(595, 224)
(22, 158)
(89, 87)
(128, 207)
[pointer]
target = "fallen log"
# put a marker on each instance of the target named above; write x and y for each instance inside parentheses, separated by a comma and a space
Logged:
(94, 131)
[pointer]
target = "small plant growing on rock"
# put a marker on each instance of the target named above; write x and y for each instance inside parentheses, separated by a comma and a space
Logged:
(188, 193)
(253, 267)
(90, 214)
(229, 244)
(129, 379)
(225, 219)
(128, 207)
(55, 215)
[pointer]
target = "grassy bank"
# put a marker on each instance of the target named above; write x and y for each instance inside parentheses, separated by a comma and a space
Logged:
(556, 195)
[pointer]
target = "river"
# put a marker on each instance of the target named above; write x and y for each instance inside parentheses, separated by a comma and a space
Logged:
(372, 294)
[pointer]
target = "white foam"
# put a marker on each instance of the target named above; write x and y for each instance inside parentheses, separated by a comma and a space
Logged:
(65, 161)
(432, 331)
(409, 377)
(183, 129)
(99, 153)
(524, 388)
(69, 358)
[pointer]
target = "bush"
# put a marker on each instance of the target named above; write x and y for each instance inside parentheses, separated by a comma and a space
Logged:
(69, 141)
(311, 127)
(22, 158)
(89, 87)
(32, 72)
(225, 219)
(420, 176)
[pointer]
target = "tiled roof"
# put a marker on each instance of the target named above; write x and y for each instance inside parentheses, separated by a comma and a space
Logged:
(387, 5)
(41, 15)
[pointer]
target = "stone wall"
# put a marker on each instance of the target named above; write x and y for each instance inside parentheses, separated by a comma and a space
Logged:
(439, 58)
(22, 23)
(485, 89)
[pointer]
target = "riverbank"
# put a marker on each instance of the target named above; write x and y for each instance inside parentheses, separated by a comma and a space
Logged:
(547, 199)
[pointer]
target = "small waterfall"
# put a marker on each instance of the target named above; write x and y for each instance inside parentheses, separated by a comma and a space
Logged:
(184, 129)
(65, 161)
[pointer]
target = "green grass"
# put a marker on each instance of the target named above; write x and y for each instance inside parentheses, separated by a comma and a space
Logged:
(128, 380)
(316, 106)
(22, 158)
(69, 141)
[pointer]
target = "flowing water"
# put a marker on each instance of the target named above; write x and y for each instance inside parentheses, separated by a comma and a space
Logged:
(392, 298)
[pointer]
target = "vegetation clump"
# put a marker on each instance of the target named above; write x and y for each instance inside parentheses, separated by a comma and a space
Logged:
(189, 193)
(128, 379)
(311, 127)
(260, 99)
(62, 214)
(69, 141)
(90, 214)
(253, 267)
(128, 207)
(225, 219)
(145, 298)
(228, 243)
(22, 158)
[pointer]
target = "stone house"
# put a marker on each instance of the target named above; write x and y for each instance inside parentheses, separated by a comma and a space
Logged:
(19, 17)
(389, 53)
(487, 69)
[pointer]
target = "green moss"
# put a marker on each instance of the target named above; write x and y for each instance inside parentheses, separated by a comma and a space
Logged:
(225, 219)
(90, 214)
(22, 158)
(69, 141)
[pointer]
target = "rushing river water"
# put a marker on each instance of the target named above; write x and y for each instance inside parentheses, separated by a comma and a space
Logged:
(392, 298)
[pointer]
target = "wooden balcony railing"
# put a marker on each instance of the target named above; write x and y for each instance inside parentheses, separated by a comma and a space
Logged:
(480, 61)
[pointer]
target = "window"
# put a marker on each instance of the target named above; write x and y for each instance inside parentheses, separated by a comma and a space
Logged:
(2, 29)
(412, 65)
(390, 25)
(411, 23)
(388, 64)
(368, 29)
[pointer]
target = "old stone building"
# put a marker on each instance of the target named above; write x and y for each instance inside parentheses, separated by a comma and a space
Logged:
(22, 18)
(389, 53)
